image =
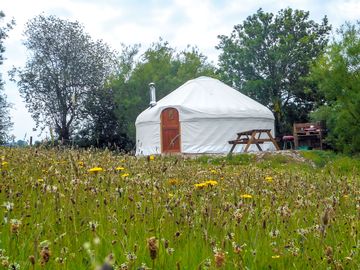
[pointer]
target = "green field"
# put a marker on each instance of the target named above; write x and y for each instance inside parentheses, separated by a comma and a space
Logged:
(76, 209)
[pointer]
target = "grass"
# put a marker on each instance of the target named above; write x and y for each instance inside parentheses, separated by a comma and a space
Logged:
(177, 213)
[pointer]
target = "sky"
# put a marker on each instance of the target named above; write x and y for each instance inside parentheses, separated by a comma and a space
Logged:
(116, 22)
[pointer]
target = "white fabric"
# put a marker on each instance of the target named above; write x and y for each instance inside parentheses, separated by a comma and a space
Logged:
(210, 114)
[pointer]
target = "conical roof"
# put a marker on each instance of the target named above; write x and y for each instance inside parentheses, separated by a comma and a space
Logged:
(203, 98)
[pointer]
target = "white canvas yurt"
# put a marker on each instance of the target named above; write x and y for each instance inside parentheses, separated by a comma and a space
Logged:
(200, 116)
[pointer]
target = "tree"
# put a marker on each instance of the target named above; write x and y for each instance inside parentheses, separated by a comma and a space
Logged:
(267, 57)
(5, 121)
(337, 73)
(160, 64)
(64, 69)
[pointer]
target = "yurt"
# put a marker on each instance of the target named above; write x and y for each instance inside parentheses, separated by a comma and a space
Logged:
(200, 116)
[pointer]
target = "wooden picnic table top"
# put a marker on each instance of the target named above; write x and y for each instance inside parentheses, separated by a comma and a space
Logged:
(251, 138)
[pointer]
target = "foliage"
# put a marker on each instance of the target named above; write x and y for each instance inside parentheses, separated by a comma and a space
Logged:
(5, 121)
(64, 68)
(160, 64)
(66, 209)
(267, 57)
(337, 73)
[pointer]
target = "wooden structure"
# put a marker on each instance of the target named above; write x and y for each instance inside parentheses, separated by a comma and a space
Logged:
(170, 131)
(309, 135)
(253, 137)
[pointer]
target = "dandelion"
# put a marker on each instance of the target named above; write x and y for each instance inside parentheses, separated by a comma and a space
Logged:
(95, 170)
(124, 175)
(275, 257)
(246, 196)
(200, 185)
(151, 157)
(269, 179)
(173, 181)
(119, 168)
(81, 164)
(211, 183)
(40, 180)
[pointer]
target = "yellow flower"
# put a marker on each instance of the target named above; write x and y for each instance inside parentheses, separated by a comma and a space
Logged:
(4, 163)
(214, 171)
(346, 196)
(119, 168)
(275, 256)
(170, 195)
(200, 185)
(95, 170)
(268, 179)
(125, 175)
(246, 196)
(151, 157)
(40, 180)
(211, 183)
(81, 164)
(173, 181)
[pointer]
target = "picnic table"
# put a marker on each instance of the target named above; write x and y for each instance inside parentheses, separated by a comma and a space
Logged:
(253, 136)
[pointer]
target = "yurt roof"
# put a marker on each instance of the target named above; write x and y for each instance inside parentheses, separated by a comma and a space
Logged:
(205, 97)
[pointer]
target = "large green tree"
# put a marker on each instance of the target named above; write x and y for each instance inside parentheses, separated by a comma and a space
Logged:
(267, 57)
(160, 64)
(5, 121)
(337, 73)
(65, 67)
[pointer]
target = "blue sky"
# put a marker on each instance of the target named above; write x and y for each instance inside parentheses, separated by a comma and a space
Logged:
(180, 22)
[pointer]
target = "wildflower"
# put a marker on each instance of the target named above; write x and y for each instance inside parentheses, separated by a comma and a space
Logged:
(173, 181)
(131, 256)
(96, 241)
(153, 247)
(151, 157)
(119, 168)
(81, 164)
(346, 196)
(40, 180)
(275, 256)
(246, 196)
(213, 171)
(219, 258)
(200, 185)
(95, 170)
(124, 175)
(93, 225)
(15, 225)
(211, 183)
(44, 255)
(268, 179)
(14, 266)
(9, 206)
(4, 163)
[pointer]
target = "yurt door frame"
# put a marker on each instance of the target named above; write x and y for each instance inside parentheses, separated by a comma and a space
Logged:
(170, 131)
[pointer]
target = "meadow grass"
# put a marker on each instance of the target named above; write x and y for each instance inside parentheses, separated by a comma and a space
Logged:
(77, 209)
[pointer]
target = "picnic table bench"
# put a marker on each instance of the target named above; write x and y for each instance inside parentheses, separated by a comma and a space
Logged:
(253, 137)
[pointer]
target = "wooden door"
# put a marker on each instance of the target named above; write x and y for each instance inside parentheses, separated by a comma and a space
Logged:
(170, 131)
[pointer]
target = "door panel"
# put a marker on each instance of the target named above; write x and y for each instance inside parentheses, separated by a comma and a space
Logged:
(170, 131)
